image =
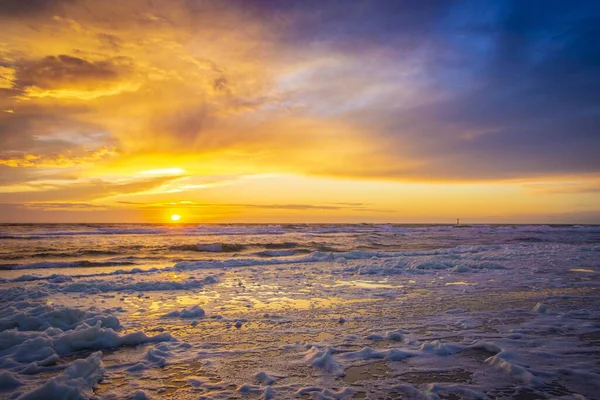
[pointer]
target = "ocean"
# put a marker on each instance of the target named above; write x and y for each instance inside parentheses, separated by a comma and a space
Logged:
(320, 311)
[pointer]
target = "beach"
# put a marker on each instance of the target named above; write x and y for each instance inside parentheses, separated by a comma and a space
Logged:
(299, 311)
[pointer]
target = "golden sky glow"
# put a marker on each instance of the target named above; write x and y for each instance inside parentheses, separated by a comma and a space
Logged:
(220, 111)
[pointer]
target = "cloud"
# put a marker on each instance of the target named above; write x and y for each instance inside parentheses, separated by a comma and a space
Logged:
(51, 137)
(53, 72)
(213, 206)
(70, 77)
(396, 90)
(504, 91)
(7, 77)
(18, 8)
(16, 159)
(63, 206)
(18, 213)
(97, 189)
(581, 187)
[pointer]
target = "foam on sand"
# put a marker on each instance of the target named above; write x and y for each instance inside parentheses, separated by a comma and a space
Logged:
(323, 360)
(77, 382)
(35, 337)
(192, 312)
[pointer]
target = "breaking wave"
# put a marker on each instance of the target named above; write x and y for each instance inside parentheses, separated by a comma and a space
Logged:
(65, 264)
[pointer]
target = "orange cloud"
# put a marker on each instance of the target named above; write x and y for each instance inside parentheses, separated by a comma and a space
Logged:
(57, 160)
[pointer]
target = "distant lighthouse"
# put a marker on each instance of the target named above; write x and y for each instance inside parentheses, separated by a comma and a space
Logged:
(457, 221)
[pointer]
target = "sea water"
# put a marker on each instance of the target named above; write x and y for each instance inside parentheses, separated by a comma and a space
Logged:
(180, 311)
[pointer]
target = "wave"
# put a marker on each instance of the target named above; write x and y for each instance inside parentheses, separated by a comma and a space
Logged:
(282, 245)
(65, 264)
(58, 254)
(100, 231)
(210, 247)
(529, 239)
(319, 256)
(20, 237)
(469, 259)
(231, 247)
(40, 232)
(264, 248)
(281, 253)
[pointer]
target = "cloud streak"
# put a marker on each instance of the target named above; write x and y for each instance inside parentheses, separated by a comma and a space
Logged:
(294, 207)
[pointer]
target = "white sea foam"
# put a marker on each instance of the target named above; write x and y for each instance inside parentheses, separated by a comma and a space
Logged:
(323, 360)
(76, 382)
(192, 312)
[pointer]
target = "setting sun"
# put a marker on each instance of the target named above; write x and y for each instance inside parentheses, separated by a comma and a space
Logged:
(175, 217)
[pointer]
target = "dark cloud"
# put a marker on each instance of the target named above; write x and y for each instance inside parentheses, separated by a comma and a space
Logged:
(46, 134)
(24, 8)
(514, 85)
(49, 136)
(113, 42)
(23, 129)
(53, 72)
(352, 25)
(12, 176)
(187, 126)
(540, 91)
(221, 84)
(519, 86)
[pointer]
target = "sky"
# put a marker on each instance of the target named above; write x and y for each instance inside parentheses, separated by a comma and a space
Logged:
(300, 111)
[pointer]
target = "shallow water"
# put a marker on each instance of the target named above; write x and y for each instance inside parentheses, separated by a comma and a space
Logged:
(308, 311)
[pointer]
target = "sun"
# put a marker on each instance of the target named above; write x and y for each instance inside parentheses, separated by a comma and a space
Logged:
(175, 217)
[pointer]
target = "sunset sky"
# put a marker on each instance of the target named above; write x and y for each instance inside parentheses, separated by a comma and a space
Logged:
(300, 111)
